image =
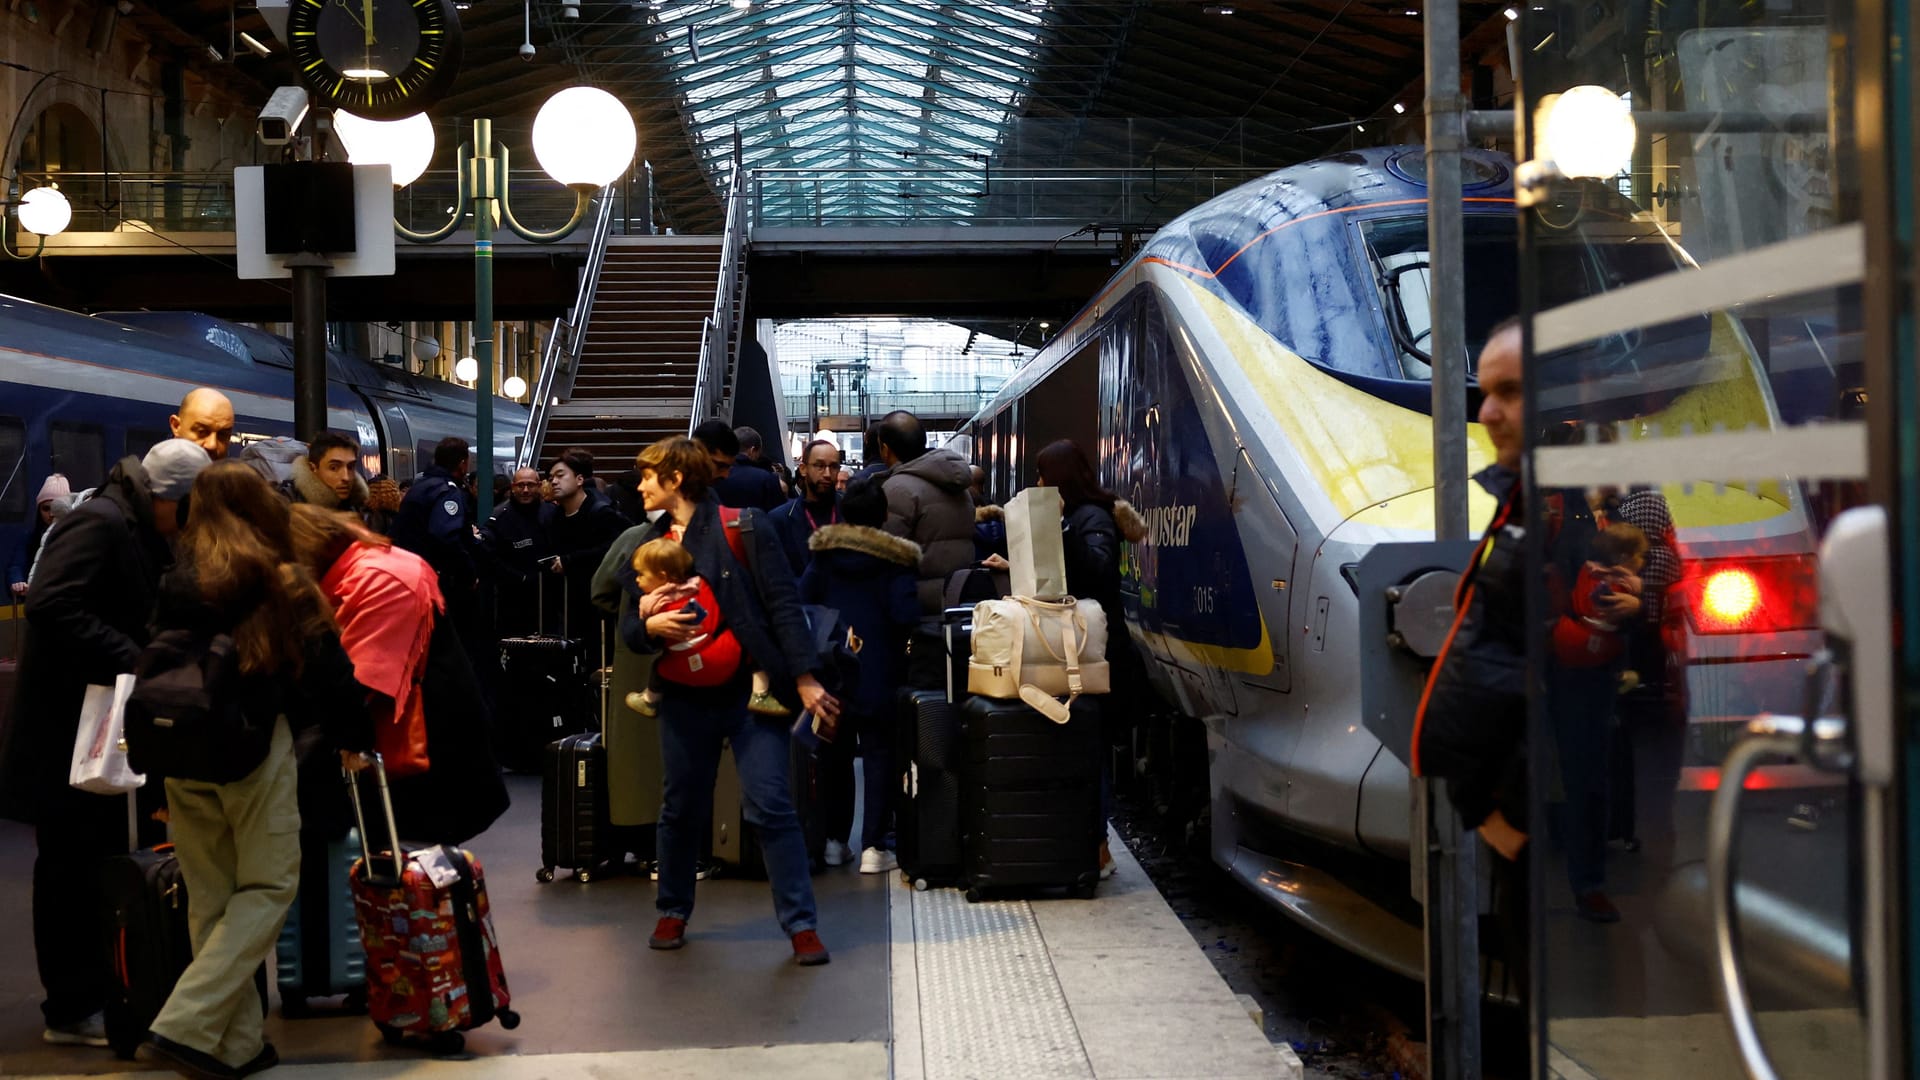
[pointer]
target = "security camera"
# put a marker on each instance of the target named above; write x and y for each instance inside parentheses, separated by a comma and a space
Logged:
(282, 116)
(526, 51)
(570, 9)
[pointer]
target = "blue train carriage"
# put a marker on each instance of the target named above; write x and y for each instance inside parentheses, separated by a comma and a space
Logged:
(79, 392)
(1256, 381)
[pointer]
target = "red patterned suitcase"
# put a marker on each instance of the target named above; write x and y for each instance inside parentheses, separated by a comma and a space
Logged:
(433, 961)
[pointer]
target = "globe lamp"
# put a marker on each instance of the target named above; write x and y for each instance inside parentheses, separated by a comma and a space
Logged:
(466, 369)
(1588, 131)
(514, 386)
(584, 137)
(405, 146)
(45, 211)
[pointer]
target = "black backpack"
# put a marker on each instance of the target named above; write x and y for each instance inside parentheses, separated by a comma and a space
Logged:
(186, 719)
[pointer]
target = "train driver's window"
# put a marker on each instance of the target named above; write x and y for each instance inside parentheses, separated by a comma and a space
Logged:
(80, 451)
(15, 490)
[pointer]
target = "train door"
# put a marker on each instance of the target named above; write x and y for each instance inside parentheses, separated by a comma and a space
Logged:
(1714, 757)
(397, 434)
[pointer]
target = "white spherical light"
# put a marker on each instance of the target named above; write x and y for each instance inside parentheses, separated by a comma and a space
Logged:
(466, 369)
(45, 211)
(1588, 131)
(514, 386)
(584, 136)
(425, 349)
(406, 145)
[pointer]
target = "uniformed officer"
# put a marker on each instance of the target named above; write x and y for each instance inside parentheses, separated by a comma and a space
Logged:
(435, 522)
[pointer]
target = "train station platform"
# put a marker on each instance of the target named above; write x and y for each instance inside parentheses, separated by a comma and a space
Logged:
(923, 986)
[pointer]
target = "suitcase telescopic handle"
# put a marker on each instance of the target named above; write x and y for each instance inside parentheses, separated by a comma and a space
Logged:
(386, 804)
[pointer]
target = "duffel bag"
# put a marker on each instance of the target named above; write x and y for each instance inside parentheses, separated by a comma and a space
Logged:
(1039, 651)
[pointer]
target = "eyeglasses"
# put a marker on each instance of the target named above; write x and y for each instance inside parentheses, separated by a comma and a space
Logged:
(526, 483)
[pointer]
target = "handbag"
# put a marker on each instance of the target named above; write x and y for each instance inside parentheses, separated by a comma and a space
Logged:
(1036, 553)
(100, 746)
(1031, 650)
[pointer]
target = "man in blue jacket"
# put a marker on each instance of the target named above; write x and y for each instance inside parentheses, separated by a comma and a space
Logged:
(737, 480)
(814, 506)
(435, 522)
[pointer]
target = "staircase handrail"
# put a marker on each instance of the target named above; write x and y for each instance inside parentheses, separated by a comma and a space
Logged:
(718, 328)
(561, 355)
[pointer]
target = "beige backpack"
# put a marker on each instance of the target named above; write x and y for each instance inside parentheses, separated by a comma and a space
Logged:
(1033, 650)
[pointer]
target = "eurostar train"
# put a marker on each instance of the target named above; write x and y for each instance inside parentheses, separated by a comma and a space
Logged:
(79, 392)
(1256, 381)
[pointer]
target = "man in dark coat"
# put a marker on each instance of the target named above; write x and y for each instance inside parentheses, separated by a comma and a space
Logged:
(815, 505)
(325, 475)
(87, 617)
(927, 503)
(586, 525)
(435, 522)
(740, 483)
(519, 537)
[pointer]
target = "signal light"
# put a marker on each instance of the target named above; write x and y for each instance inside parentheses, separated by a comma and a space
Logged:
(1758, 595)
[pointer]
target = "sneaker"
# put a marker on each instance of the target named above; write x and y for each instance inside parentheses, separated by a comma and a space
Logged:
(836, 854)
(1107, 865)
(266, 1059)
(878, 861)
(89, 1032)
(1594, 906)
(668, 933)
(808, 951)
(638, 702)
(185, 1060)
(764, 704)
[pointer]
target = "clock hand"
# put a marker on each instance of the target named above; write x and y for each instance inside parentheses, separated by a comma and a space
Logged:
(351, 14)
(366, 11)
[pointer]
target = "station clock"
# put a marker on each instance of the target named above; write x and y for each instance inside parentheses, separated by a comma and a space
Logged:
(381, 59)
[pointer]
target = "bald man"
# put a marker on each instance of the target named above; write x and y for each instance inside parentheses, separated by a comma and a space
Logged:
(206, 420)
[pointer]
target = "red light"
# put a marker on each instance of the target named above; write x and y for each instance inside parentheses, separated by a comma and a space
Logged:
(1730, 597)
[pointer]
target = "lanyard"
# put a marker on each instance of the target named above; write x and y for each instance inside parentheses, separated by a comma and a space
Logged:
(832, 519)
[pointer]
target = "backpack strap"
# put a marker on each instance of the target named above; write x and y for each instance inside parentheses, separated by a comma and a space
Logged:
(734, 525)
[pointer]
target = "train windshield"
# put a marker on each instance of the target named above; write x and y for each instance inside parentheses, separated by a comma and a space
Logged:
(1594, 260)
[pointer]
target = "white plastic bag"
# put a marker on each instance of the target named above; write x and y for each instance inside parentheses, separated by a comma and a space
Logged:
(1036, 554)
(100, 747)
(1032, 650)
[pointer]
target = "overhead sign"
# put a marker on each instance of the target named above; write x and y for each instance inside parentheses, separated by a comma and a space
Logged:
(371, 253)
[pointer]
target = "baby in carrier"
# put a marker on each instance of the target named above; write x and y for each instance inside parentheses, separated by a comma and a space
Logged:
(710, 657)
(1585, 636)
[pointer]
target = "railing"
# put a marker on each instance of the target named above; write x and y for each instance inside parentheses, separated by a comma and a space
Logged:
(925, 403)
(720, 330)
(561, 356)
(985, 195)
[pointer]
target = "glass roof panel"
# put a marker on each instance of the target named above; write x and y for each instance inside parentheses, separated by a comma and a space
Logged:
(844, 88)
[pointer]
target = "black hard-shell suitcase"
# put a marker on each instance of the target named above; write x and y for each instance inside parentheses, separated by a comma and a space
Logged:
(318, 954)
(151, 943)
(574, 830)
(927, 812)
(1030, 812)
(543, 692)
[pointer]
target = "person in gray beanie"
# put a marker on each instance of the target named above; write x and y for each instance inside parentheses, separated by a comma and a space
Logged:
(92, 597)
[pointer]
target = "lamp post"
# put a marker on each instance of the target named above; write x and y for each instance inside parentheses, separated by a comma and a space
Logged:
(583, 137)
(45, 212)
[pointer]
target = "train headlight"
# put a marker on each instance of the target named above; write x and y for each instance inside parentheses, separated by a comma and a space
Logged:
(45, 211)
(1587, 131)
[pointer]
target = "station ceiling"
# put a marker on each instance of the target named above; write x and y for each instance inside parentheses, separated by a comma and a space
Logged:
(841, 90)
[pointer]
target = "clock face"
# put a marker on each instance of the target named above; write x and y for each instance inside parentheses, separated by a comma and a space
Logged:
(381, 59)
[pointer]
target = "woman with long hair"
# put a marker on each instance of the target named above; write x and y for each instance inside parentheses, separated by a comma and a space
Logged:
(422, 693)
(1094, 521)
(761, 606)
(237, 842)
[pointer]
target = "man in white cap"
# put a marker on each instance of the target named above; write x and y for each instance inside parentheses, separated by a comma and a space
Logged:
(53, 491)
(87, 613)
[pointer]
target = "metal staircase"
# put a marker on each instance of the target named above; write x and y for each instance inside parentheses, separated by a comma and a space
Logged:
(652, 347)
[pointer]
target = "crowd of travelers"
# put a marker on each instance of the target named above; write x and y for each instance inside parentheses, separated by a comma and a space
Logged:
(367, 617)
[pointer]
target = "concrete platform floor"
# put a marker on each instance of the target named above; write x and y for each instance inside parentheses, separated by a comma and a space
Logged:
(922, 986)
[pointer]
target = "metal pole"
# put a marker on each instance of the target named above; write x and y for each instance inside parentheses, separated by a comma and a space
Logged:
(309, 346)
(486, 189)
(1452, 907)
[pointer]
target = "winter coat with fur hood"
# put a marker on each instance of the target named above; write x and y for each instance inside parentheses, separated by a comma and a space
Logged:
(303, 485)
(928, 503)
(870, 578)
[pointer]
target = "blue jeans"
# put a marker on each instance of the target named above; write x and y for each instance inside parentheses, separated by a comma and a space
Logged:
(692, 724)
(1580, 706)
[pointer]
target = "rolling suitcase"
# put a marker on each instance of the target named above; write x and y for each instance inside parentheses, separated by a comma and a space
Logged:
(151, 943)
(927, 813)
(543, 693)
(433, 961)
(574, 830)
(1030, 809)
(318, 954)
(736, 844)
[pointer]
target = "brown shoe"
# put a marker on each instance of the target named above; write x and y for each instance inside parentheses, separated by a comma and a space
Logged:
(668, 933)
(808, 950)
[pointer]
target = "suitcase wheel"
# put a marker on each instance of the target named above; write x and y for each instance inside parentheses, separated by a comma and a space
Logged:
(1085, 892)
(356, 1000)
(975, 895)
(508, 1019)
(582, 876)
(447, 1044)
(393, 1036)
(543, 875)
(920, 884)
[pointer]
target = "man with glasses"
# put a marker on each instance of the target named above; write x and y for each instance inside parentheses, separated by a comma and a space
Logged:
(816, 503)
(519, 536)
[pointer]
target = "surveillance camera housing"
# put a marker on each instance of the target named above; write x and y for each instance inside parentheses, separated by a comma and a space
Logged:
(526, 51)
(569, 9)
(282, 116)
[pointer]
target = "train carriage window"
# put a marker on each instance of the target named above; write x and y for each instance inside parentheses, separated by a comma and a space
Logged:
(79, 451)
(141, 440)
(15, 495)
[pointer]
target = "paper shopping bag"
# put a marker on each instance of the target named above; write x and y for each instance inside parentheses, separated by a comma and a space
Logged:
(1035, 554)
(100, 748)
